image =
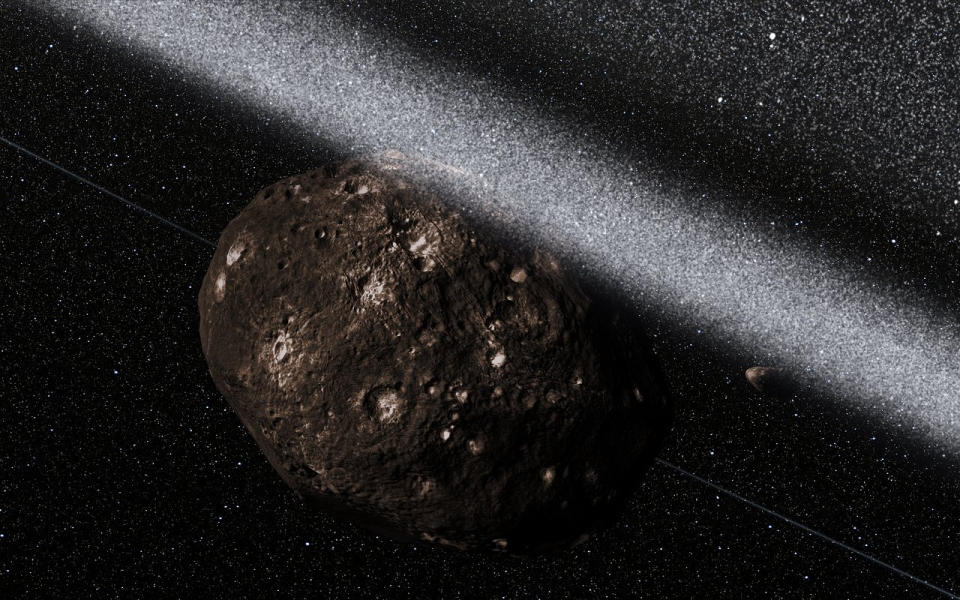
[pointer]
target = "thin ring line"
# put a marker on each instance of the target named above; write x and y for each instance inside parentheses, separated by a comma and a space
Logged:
(104, 190)
(803, 527)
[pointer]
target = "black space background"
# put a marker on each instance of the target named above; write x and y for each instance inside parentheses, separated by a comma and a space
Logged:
(123, 473)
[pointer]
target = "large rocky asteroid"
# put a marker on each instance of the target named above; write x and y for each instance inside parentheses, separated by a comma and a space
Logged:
(399, 366)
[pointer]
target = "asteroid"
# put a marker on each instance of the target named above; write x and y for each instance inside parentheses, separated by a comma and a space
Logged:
(771, 381)
(417, 372)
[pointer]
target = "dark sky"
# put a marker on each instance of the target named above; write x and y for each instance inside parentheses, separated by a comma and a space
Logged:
(125, 473)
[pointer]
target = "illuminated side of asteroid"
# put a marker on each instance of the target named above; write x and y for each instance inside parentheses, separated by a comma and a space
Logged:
(401, 368)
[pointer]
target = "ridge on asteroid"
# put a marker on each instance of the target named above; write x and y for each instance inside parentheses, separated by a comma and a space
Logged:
(401, 367)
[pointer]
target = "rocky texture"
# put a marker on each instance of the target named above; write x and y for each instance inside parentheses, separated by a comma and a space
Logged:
(398, 366)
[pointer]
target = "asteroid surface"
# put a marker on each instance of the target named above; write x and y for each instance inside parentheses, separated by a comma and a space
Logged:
(409, 369)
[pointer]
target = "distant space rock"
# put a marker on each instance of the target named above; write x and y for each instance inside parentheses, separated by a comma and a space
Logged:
(401, 367)
(770, 380)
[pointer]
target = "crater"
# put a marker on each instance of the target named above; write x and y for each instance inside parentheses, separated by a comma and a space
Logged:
(384, 404)
(236, 250)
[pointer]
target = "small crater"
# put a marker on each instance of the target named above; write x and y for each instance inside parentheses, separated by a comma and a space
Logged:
(281, 265)
(384, 404)
(220, 287)
(302, 471)
(475, 447)
(350, 186)
(281, 347)
(320, 233)
(547, 475)
(236, 250)
(425, 486)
